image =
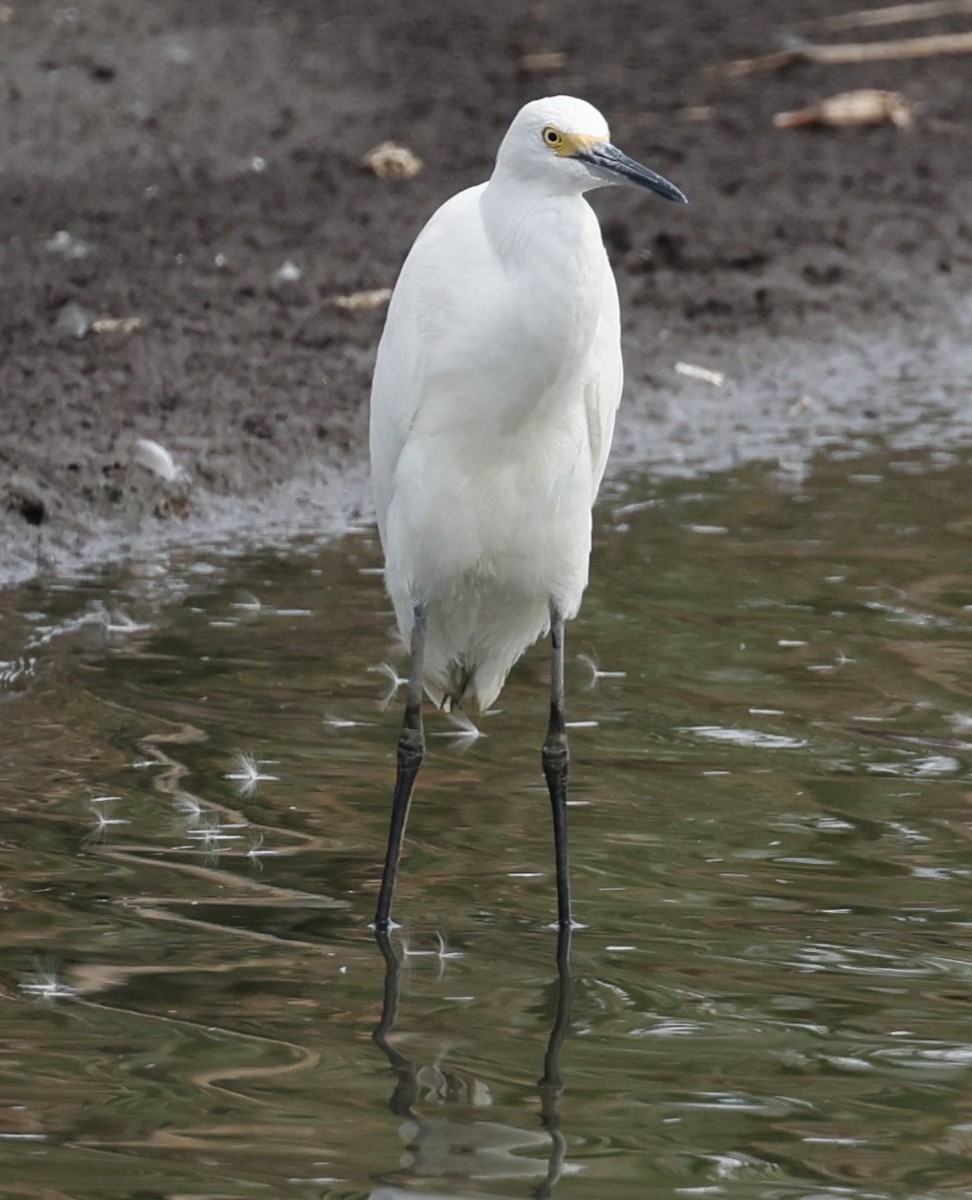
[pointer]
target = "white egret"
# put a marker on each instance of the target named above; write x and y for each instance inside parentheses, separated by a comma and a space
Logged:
(492, 410)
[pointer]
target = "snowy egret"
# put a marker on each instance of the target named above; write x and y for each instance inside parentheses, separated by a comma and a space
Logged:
(492, 410)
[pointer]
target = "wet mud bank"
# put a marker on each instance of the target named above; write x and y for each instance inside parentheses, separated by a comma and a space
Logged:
(186, 214)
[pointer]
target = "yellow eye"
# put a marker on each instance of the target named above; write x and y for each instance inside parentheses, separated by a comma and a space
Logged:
(552, 137)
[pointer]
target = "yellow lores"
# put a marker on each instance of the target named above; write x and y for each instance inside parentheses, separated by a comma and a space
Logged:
(566, 145)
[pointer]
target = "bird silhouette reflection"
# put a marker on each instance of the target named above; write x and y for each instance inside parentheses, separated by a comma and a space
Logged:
(442, 1146)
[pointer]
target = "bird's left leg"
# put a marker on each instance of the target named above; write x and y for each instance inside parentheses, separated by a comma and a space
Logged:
(411, 750)
(555, 758)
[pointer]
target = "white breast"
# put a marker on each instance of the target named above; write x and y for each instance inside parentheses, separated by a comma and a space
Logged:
(488, 373)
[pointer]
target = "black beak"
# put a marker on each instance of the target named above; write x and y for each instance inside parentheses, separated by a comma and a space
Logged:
(612, 165)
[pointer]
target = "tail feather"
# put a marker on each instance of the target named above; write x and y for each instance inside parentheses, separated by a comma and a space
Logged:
(469, 655)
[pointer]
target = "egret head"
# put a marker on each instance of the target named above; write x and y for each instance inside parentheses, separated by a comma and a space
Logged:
(562, 145)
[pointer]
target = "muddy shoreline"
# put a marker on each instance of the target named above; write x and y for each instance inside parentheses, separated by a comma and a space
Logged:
(192, 174)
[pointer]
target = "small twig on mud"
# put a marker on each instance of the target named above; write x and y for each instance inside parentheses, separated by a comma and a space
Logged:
(867, 106)
(897, 14)
(850, 52)
(545, 60)
(362, 301)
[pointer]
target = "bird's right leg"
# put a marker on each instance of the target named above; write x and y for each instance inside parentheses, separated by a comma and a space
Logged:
(411, 749)
(555, 758)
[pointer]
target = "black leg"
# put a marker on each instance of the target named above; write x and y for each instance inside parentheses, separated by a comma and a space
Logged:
(411, 748)
(555, 758)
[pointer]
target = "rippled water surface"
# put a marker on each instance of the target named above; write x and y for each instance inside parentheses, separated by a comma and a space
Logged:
(772, 994)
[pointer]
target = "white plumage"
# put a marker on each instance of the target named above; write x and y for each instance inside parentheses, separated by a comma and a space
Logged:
(495, 390)
(492, 410)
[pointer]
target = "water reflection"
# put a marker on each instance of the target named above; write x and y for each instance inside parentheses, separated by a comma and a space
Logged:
(773, 787)
(443, 1146)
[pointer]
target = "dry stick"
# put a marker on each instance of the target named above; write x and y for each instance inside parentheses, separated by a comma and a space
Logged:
(897, 14)
(852, 52)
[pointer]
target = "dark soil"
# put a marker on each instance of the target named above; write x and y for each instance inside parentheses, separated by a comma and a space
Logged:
(164, 161)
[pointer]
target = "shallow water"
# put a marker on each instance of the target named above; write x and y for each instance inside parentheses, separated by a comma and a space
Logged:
(772, 993)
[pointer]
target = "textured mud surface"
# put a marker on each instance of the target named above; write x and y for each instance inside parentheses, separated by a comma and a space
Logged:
(194, 170)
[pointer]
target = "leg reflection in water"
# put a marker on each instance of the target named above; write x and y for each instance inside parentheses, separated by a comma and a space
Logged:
(441, 1146)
